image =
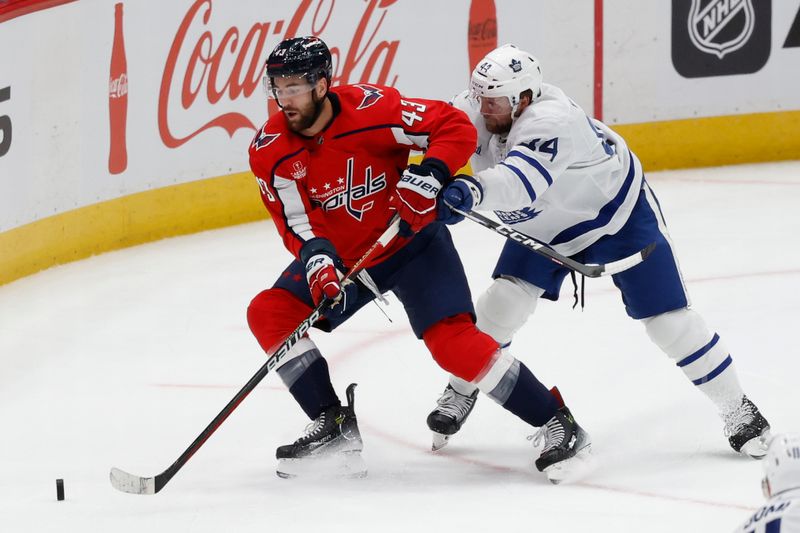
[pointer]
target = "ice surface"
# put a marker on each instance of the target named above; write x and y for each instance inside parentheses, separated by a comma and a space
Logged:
(122, 359)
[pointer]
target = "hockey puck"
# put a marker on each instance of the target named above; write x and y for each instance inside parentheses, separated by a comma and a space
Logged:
(60, 489)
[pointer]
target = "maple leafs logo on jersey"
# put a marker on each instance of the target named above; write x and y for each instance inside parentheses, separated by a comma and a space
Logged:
(264, 139)
(516, 65)
(520, 215)
(371, 96)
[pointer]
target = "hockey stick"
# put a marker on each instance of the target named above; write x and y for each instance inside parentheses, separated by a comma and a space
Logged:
(590, 271)
(130, 483)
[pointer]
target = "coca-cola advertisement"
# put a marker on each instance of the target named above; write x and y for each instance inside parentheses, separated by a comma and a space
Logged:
(118, 99)
(215, 65)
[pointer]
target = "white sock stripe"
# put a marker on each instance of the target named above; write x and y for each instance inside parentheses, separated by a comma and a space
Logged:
(503, 390)
(302, 346)
(290, 372)
(494, 371)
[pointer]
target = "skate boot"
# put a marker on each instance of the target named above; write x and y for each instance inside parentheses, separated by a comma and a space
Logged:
(567, 446)
(449, 415)
(747, 429)
(330, 447)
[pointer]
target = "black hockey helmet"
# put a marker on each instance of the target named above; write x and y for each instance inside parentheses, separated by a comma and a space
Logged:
(300, 56)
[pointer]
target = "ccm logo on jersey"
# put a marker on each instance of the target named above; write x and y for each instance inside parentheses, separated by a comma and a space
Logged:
(371, 96)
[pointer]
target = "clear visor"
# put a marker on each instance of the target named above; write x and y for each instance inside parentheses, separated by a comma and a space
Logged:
(284, 88)
(488, 105)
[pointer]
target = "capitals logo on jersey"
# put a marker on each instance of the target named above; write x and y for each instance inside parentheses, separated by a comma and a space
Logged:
(263, 139)
(351, 196)
(371, 96)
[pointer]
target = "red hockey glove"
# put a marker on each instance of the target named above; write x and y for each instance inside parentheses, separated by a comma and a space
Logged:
(323, 279)
(415, 196)
(322, 273)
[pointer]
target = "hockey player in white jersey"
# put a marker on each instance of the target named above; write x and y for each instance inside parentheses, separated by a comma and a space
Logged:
(546, 168)
(781, 486)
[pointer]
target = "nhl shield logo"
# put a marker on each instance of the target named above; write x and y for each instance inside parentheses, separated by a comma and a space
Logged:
(721, 26)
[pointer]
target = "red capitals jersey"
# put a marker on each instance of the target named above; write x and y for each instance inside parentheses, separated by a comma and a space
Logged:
(337, 184)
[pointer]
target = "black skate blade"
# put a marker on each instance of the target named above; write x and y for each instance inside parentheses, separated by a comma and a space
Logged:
(439, 441)
(331, 466)
(571, 469)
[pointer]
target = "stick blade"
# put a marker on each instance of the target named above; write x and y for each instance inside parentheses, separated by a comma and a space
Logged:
(615, 267)
(125, 482)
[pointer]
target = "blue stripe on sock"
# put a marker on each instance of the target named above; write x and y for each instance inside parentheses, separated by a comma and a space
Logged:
(699, 353)
(714, 373)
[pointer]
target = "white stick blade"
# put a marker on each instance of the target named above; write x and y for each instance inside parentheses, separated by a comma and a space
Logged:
(125, 482)
(616, 267)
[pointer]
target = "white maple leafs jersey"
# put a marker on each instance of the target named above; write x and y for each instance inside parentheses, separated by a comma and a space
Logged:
(558, 175)
(781, 514)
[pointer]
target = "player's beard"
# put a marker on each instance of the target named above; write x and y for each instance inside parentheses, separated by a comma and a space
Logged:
(307, 115)
(497, 124)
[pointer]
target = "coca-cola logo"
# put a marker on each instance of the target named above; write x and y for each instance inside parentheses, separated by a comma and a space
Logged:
(118, 87)
(5, 124)
(483, 30)
(218, 64)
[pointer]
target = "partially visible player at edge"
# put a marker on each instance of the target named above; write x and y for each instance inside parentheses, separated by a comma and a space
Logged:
(333, 169)
(545, 167)
(781, 487)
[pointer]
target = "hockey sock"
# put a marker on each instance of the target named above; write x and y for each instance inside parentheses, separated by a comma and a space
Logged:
(530, 400)
(700, 354)
(724, 390)
(310, 385)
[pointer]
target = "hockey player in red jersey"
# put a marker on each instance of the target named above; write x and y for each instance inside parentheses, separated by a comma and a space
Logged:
(333, 170)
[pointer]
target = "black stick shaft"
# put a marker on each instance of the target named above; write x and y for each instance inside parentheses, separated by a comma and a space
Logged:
(164, 477)
(590, 271)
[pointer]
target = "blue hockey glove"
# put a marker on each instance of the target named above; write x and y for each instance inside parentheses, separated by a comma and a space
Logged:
(463, 193)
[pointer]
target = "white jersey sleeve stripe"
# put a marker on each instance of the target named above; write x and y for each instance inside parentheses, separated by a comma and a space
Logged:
(523, 179)
(534, 163)
(406, 138)
(294, 211)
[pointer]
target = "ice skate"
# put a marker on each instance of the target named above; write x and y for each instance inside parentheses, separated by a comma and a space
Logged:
(449, 415)
(330, 447)
(567, 447)
(747, 430)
